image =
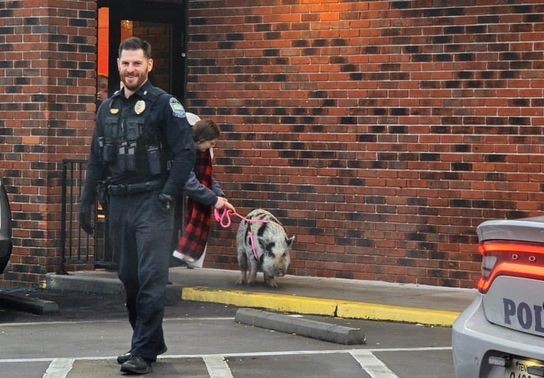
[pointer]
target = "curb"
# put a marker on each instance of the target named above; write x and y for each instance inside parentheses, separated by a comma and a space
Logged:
(275, 302)
(300, 326)
(325, 307)
(84, 284)
(105, 286)
(33, 305)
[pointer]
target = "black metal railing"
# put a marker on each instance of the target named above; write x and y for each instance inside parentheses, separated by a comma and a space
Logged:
(77, 247)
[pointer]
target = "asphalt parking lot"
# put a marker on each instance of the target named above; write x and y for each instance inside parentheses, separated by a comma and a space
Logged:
(84, 336)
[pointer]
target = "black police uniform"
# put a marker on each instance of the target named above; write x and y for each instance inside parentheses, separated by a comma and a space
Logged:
(143, 149)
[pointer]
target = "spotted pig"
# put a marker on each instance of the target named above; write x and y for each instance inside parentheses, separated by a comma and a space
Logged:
(262, 245)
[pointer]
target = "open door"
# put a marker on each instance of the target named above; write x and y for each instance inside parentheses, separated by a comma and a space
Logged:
(5, 229)
(161, 23)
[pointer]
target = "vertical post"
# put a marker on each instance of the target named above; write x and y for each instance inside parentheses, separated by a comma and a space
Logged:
(63, 221)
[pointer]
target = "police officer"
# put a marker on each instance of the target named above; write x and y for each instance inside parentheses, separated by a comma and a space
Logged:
(142, 149)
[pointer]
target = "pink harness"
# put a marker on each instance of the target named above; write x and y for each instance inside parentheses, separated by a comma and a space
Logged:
(225, 222)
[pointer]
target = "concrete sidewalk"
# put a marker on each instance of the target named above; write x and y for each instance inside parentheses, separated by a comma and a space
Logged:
(344, 298)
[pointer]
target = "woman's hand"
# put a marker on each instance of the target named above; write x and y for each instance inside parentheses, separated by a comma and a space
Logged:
(222, 202)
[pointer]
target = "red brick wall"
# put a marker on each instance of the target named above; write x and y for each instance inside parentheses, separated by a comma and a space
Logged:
(47, 97)
(381, 132)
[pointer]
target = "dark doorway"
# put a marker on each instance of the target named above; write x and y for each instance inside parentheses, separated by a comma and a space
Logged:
(161, 23)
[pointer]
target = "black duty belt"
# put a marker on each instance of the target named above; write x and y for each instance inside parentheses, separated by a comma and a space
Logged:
(126, 189)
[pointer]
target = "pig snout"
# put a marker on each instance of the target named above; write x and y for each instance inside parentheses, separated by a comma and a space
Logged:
(281, 264)
(276, 266)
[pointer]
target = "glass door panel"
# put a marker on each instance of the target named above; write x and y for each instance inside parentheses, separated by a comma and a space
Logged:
(159, 35)
(162, 27)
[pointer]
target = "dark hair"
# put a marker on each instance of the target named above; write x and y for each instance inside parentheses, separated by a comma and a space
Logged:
(135, 43)
(205, 130)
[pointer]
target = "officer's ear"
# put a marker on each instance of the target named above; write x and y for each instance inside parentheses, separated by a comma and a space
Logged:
(149, 65)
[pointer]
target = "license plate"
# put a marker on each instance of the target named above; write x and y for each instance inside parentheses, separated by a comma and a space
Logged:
(524, 369)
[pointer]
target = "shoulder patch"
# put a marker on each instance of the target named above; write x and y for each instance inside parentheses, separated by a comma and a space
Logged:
(177, 108)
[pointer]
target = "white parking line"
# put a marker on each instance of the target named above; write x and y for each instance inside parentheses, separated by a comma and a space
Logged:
(248, 354)
(27, 324)
(59, 368)
(217, 366)
(372, 365)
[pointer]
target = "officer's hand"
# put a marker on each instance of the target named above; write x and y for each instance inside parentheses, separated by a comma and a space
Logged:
(85, 219)
(222, 202)
(166, 201)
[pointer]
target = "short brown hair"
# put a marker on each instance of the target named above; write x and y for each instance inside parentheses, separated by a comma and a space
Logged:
(205, 130)
(135, 43)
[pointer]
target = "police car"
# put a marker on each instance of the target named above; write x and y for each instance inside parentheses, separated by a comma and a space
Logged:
(501, 334)
(5, 229)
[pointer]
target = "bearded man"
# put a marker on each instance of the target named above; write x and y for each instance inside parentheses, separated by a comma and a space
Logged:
(142, 153)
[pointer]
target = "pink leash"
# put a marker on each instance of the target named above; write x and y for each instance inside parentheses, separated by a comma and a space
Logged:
(224, 221)
(224, 218)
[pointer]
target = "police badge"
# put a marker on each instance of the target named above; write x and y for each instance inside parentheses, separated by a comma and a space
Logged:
(139, 107)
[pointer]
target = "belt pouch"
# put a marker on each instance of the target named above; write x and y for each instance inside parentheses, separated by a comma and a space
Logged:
(154, 160)
(121, 160)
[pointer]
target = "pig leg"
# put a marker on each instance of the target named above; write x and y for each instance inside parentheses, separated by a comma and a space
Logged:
(242, 262)
(252, 272)
(270, 281)
(243, 277)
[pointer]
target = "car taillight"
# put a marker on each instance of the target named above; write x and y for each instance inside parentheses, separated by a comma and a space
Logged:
(488, 263)
(503, 258)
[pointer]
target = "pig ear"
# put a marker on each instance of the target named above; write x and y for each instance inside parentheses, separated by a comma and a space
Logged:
(290, 241)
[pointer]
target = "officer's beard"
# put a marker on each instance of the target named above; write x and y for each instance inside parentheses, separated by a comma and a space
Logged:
(135, 84)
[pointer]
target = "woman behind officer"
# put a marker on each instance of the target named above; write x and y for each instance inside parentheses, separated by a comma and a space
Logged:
(204, 192)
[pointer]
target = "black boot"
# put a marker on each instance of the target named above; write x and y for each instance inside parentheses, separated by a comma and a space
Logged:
(123, 358)
(136, 365)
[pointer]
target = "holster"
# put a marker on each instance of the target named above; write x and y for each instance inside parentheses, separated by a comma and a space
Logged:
(102, 193)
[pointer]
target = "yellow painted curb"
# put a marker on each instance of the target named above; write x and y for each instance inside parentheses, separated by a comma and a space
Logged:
(318, 306)
(374, 311)
(277, 302)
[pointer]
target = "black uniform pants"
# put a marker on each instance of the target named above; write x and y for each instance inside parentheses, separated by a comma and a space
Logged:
(141, 235)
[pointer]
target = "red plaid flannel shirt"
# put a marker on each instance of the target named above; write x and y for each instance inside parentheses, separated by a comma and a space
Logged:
(198, 220)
